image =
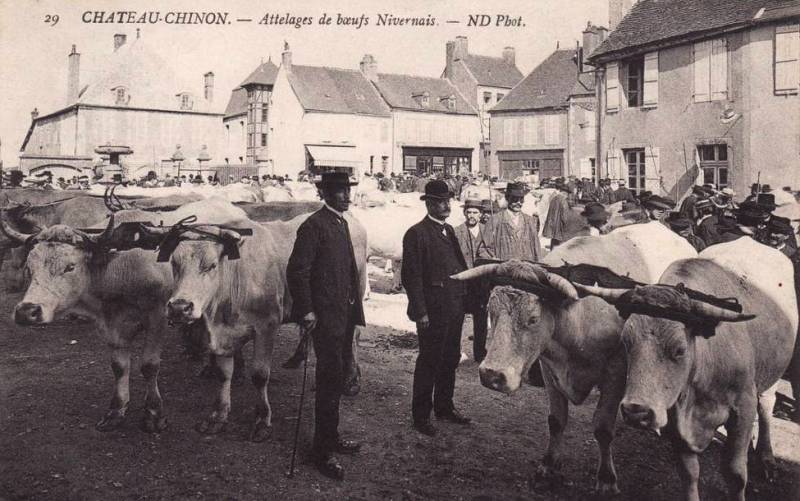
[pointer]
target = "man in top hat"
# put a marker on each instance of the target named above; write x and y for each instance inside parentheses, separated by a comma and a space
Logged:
(323, 280)
(766, 201)
(469, 239)
(510, 234)
(431, 254)
(555, 225)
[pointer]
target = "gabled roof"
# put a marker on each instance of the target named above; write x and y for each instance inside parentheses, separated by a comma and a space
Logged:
(335, 90)
(549, 85)
(658, 21)
(237, 104)
(399, 91)
(492, 71)
(149, 81)
(263, 75)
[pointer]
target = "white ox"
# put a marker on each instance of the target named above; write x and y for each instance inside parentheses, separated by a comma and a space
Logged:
(539, 316)
(124, 292)
(240, 299)
(694, 365)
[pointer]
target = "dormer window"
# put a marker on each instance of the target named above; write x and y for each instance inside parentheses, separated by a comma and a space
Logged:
(185, 101)
(121, 96)
(449, 102)
(423, 98)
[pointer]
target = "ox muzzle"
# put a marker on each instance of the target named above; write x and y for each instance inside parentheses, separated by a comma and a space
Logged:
(28, 314)
(640, 415)
(503, 380)
(181, 311)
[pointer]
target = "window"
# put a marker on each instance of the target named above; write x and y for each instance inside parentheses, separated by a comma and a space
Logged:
(487, 98)
(264, 112)
(185, 101)
(410, 163)
(508, 131)
(263, 139)
(650, 85)
(530, 166)
(500, 96)
(710, 70)
(634, 82)
(635, 161)
(714, 164)
(121, 96)
(787, 59)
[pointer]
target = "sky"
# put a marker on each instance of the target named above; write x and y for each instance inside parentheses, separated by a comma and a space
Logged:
(33, 52)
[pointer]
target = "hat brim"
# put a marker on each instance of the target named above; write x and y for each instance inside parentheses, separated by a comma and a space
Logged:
(437, 197)
(657, 205)
(323, 184)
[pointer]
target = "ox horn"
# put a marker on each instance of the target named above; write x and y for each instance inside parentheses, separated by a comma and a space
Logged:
(609, 295)
(712, 312)
(10, 232)
(104, 236)
(485, 270)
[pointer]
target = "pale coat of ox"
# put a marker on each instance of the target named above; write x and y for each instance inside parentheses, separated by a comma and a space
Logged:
(577, 340)
(124, 292)
(241, 299)
(709, 366)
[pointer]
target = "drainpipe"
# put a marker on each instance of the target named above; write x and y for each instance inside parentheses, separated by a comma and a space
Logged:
(599, 78)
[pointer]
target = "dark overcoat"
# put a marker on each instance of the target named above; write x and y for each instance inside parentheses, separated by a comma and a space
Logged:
(322, 274)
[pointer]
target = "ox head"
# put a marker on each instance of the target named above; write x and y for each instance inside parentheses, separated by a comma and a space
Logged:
(59, 265)
(198, 255)
(523, 311)
(660, 339)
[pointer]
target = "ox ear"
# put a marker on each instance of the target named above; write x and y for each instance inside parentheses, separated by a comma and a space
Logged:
(230, 244)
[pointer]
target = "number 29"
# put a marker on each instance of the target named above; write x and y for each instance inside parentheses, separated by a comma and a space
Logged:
(51, 19)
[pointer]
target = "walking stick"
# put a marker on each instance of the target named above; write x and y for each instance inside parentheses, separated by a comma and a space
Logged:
(304, 341)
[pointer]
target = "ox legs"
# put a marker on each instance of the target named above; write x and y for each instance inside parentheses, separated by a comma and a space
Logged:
(154, 420)
(264, 342)
(121, 367)
(689, 472)
(548, 474)
(216, 421)
(740, 429)
(766, 459)
(605, 416)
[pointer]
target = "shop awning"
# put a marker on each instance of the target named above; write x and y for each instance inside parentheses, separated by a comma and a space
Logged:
(333, 156)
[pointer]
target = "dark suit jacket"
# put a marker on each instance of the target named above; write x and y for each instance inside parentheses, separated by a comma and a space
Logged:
(429, 258)
(322, 275)
(468, 244)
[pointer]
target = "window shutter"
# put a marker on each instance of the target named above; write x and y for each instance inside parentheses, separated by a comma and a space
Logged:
(701, 68)
(787, 58)
(612, 163)
(530, 131)
(651, 79)
(520, 130)
(612, 87)
(541, 124)
(508, 128)
(652, 167)
(585, 168)
(719, 69)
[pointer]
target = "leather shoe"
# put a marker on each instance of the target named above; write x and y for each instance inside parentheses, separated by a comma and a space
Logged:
(329, 466)
(347, 446)
(454, 417)
(425, 427)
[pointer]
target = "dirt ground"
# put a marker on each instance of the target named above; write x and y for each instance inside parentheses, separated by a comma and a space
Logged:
(52, 391)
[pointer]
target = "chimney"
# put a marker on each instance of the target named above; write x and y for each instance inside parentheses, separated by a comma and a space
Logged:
(593, 36)
(73, 75)
(34, 114)
(286, 57)
(369, 67)
(510, 56)
(617, 9)
(461, 48)
(449, 52)
(208, 86)
(119, 40)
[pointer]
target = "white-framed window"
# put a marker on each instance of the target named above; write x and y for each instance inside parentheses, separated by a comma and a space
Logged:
(612, 87)
(787, 59)
(508, 131)
(121, 96)
(185, 101)
(714, 164)
(710, 69)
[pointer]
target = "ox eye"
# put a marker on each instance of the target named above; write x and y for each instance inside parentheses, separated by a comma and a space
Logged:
(69, 268)
(210, 267)
(532, 320)
(678, 353)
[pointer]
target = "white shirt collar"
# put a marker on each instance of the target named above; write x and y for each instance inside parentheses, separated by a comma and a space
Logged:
(475, 230)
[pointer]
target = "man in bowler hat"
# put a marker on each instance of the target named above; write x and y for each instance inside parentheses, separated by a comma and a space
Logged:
(323, 279)
(431, 254)
(469, 239)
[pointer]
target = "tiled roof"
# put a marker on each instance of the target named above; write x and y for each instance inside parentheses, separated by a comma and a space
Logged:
(549, 85)
(237, 104)
(492, 71)
(148, 79)
(651, 21)
(335, 90)
(398, 92)
(263, 75)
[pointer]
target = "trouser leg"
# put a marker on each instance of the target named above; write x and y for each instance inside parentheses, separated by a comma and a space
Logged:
(450, 356)
(329, 377)
(430, 349)
(479, 329)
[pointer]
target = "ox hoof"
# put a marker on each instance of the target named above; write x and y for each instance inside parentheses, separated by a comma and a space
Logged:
(546, 478)
(111, 421)
(153, 423)
(261, 431)
(211, 427)
(606, 490)
(767, 469)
